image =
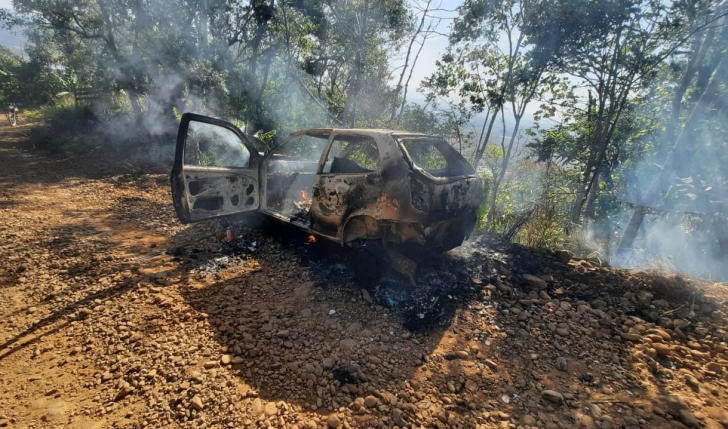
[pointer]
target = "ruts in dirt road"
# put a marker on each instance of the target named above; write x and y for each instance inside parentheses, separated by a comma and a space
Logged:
(115, 315)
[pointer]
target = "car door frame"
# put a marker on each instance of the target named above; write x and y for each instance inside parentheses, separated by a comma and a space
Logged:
(268, 155)
(373, 185)
(179, 184)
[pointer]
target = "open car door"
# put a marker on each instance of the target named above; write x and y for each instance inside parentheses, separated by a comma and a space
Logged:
(215, 170)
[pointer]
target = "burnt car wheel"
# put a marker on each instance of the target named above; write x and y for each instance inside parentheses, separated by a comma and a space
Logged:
(370, 263)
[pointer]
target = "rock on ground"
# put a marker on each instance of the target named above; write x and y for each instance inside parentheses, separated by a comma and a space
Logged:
(119, 313)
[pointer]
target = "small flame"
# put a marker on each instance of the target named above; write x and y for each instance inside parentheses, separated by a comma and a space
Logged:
(304, 194)
(311, 239)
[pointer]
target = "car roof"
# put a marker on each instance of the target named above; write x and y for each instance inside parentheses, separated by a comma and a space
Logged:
(325, 132)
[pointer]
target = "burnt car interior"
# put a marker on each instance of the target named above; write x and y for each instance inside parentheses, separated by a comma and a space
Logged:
(435, 157)
(352, 155)
(291, 169)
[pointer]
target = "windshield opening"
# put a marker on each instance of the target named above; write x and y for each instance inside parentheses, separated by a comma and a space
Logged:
(435, 156)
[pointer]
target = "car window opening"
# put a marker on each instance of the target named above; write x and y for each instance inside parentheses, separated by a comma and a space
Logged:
(435, 156)
(290, 173)
(352, 155)
(209, 145)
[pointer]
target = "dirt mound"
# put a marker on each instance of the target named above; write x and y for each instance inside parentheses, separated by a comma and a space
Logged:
(117, 316)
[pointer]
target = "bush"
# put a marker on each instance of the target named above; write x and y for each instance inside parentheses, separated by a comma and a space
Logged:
(62, 128)
(78, 130)
(544, 228)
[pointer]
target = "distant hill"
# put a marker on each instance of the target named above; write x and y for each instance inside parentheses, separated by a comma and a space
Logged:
(6, 52)
(14, 40)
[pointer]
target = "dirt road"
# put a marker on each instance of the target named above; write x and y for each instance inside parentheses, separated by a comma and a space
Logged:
(99, 329)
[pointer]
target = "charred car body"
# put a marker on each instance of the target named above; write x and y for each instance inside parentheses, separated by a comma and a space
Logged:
(380, 191)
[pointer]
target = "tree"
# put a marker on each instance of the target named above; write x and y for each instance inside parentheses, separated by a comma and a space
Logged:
(612, 46)
(400, 88)
(704, 69)
(9, 69)
(491, 67)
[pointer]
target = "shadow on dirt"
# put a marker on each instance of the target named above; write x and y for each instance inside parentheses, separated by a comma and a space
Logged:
(40, 169)
(81, 251)
(320, 341)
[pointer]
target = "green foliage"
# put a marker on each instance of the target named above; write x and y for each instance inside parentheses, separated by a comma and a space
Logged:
(275, 65)
(545, 229)
(63, 128)
(562, 31)
(530, 207)
(416, 118)
(268, 139)
(10, 65)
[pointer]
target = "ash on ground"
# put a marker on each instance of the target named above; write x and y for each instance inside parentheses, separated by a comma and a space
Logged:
(234, 249)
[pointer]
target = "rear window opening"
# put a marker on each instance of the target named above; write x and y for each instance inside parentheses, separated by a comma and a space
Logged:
(435, 156)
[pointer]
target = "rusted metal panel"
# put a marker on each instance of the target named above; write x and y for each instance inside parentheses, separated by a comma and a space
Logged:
(209, 193)
(395, 203)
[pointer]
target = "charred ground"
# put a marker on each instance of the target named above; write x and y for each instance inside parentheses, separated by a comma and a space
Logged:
(117, 316)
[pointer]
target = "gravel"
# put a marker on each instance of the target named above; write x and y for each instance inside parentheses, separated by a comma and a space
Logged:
(216, 335)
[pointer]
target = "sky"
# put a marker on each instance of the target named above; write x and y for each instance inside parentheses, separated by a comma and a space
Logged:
(436, 46)
(11, 39)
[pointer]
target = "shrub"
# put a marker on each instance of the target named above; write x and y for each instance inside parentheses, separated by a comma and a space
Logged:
(70, 130)
(62, 128)
(544, 228)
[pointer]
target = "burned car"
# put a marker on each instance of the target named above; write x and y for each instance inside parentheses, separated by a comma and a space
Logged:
(393, 196)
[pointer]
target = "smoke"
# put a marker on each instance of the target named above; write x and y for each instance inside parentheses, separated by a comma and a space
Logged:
(675, 242)
(148, 138)
(687, 229)
(283, 106)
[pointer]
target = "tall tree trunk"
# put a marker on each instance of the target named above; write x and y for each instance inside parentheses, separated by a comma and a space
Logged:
(480, 151)
(603, 172)
(606, 122)
(259, 121)
(409, 78)
(507, 153)
(594, 144)
(492, 198)
(204, 17)
(352, 96)
(398, 88)
(697, 56)
(604, 135)
(128, 73)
